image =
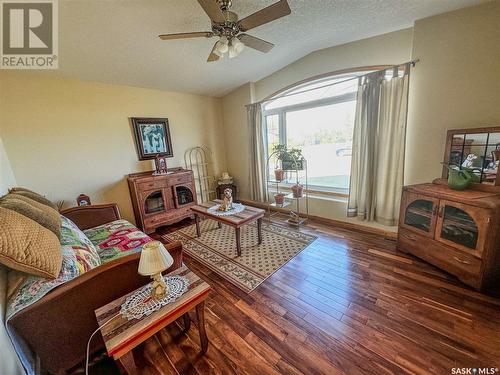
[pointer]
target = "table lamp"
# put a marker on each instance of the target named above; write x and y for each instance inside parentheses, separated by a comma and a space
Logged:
(154, 260)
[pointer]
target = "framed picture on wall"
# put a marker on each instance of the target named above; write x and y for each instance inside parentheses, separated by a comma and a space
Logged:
(152, 137)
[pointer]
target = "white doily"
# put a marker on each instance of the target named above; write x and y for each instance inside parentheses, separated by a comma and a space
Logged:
(141, 304)
(237, 208)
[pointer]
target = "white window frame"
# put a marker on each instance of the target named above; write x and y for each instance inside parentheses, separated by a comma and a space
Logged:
(281, 112)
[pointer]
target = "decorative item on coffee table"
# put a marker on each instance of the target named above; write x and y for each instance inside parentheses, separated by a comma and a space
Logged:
(290, 172)
(225, 182)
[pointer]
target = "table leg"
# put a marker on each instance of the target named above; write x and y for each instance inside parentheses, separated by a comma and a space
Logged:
(187, 322)
(238, 241)
(200, 315)
(259, 230)
(128, 364)
(197, 221)
(219, 224)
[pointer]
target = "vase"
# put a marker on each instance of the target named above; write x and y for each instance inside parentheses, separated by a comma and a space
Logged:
(297, 190)
(279, 198)
(279, 174)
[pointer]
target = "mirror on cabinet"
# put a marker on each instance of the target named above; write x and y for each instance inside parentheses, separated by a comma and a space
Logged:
(474, 149)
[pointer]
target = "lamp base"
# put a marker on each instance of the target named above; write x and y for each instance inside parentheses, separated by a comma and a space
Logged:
(159, 289)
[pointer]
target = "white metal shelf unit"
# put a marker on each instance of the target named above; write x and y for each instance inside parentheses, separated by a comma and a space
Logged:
(292, 176)
(199, 160)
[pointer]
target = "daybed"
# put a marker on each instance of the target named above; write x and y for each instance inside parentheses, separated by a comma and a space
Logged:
(57, 326)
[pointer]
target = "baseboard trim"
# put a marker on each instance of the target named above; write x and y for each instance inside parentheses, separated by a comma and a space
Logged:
(331, 222)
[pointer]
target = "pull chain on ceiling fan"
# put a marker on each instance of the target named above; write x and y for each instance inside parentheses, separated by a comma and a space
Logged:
(231, 30)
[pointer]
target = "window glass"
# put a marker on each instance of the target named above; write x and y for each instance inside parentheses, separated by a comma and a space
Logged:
(317, 118)
(273, 132)
(315, 91)
(325, 136)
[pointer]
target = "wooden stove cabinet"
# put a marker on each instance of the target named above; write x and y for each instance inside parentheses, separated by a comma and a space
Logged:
(457, 231)
(161, 199)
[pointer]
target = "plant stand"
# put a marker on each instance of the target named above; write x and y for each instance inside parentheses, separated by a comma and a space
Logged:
(298, 207)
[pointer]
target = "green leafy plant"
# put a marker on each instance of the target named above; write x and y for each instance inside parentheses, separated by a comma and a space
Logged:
(291, 158)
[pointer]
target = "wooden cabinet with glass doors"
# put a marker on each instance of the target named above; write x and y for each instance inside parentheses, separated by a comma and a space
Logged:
(457, 231)
(161, 199)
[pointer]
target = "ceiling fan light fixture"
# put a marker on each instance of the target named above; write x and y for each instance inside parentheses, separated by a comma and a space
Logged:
(235, 48)
(222, 46)
(231, 30)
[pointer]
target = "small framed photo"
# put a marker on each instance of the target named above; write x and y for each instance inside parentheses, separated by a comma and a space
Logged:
(83, 200)
(161, 165)
(152, 137)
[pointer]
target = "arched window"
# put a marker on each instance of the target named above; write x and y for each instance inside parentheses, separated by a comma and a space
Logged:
(318, 118)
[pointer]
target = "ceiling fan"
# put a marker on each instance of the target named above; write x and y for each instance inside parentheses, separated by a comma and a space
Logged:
(231, 31)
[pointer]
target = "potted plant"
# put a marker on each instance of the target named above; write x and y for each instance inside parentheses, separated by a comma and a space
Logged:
(298, 190)
(279, 174)
(291, 159)
(279, 198)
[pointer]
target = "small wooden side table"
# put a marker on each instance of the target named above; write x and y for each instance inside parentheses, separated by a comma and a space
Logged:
(122, 335)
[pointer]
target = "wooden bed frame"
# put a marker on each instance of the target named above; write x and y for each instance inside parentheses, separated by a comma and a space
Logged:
(58, 326)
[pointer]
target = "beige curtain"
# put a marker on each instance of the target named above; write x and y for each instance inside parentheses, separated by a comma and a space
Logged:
(257, 176)
(378, 148)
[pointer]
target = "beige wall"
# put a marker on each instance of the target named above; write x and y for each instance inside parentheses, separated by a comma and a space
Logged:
(389, 48)
(456, 84)
(65, 137)
(236, 136)
(7, 178)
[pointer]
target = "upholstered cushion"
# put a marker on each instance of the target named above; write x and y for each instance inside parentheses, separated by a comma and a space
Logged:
(35, 196)
(42, 214)
(27, 246)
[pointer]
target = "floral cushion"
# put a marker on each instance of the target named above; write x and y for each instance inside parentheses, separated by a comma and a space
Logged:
(117, 239)
(79, 256)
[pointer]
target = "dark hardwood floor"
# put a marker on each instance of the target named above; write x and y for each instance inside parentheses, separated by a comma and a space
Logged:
(347, 304)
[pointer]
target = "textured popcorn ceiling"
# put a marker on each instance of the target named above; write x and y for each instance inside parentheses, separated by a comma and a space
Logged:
(115, 41)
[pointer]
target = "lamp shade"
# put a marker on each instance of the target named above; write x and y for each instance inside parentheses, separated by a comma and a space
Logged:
(154, 259)
(235, 48)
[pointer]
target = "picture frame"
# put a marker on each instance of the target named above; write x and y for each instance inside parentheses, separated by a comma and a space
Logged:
(152, 137)
(161, 165)
(83, 200)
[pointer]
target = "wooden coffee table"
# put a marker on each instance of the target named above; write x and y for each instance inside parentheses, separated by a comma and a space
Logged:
(123, 335)
(237, 220)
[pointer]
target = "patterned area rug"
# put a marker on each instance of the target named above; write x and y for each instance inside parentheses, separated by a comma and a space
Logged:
(216, 249)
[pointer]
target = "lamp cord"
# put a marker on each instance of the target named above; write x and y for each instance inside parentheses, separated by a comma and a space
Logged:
(102, 326)
(90, 339)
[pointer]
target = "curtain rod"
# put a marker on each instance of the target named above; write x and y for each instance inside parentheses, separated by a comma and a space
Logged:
(411, 62)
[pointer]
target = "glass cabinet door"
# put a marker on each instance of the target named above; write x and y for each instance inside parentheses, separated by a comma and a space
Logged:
(462, 226)
(154, 202)
(419, 213)
(183, 195)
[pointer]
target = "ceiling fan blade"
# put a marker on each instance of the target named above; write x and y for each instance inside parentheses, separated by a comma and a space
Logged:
(255, 43)
(206, 34)
(271, 13)
(213, 56)
(212, 9)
